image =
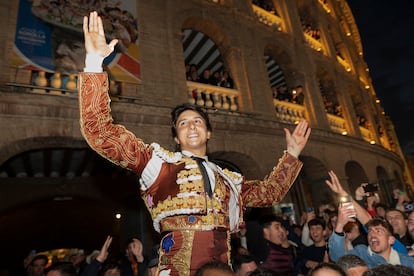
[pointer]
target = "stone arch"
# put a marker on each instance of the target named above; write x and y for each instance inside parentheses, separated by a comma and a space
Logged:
(385, 184)
(327, 88)
(237, 161)
(18, 146)
(355, 174)
(313, 176)
(284, 61)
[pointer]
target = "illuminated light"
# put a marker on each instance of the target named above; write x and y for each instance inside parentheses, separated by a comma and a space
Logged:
(367, 86)
(360, 53)
(348, 34)
(118, 216)
(367, 69)
(296, 122)
(383, 113)
(372, 142)
(293, 91)
(377, 101)
(344, 133)
(348, 69)
(319, 49)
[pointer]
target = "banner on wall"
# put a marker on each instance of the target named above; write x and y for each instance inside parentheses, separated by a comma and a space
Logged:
(49, 36)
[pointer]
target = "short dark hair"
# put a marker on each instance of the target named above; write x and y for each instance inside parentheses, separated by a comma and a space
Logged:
(261, 271)
(217, 265)
(389, 269)
(331, 266)
(317, 221)
(349, 261)
(241, 259)
(396, 210)
(176, 112)
(40, 257)
(380, 222)
(266, 221)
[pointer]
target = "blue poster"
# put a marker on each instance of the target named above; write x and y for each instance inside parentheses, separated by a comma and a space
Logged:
(49, 36)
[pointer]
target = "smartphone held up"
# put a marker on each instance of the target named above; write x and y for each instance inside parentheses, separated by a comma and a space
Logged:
(346, 202)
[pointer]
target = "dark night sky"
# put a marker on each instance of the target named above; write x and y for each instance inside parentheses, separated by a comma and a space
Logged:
(387, 33)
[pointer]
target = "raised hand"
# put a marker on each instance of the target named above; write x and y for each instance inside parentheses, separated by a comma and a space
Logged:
(103, 254)
(95, 41)
(136, 249)
(297, 140)
(335, 185)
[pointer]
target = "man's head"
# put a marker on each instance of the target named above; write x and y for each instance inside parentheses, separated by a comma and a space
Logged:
(243, 265)
(214, 268)
(317, 230)
(68, 50)
(134, 247)
(273, 229)
(410, 224)
(327, 269)
(61, 269)
(191, 128)
(351, 230)
(352, 265)
(37, 265)
(380, 236)
(388, 270)
(397, 220)
(380, 209)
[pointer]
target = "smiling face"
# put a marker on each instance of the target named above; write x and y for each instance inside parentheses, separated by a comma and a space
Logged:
(192, 133)
(316, 233)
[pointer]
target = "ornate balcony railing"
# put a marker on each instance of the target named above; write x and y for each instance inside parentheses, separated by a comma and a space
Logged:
(268, 18)
(289, 112)
(313, 43)
(366, 134)
(211, 96)
(45, 83)
(58, 84)
(337, 124)
(344, 63)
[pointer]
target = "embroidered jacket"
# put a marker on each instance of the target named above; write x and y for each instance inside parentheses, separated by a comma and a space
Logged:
(171, 183)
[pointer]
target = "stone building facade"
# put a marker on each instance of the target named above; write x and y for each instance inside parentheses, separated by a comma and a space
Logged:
(46, 168)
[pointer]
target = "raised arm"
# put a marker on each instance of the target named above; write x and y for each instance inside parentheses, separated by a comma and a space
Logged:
(361, 213)
(113, 142)
(267, 192)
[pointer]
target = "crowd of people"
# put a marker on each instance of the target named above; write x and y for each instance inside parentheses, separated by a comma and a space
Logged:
(267, 5)
(218, 78)
(362, 236)
(359, 236)
(195, 205)
(309, 30)
(282, 93)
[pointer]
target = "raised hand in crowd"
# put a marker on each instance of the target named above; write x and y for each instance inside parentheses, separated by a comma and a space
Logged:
(136, 248)
(103, 253)
(361, 213)
(345, 215)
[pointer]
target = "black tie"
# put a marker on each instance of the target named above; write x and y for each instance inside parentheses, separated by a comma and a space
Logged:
(204, 173)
